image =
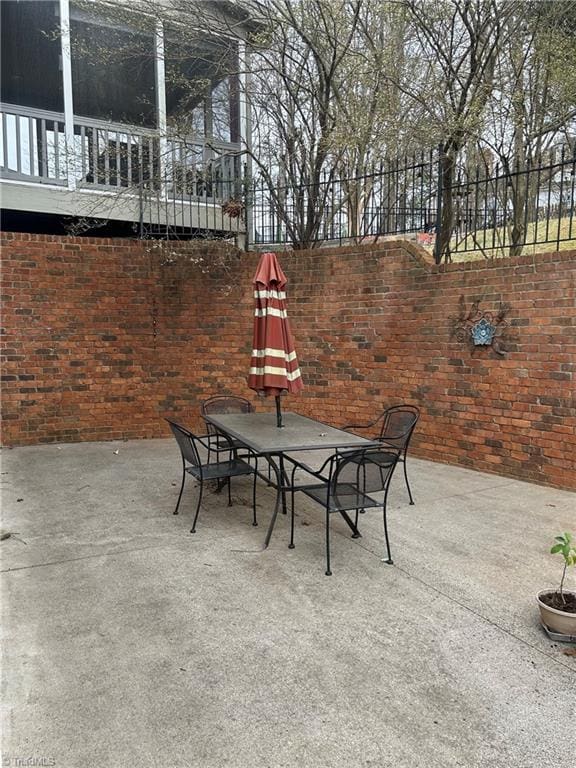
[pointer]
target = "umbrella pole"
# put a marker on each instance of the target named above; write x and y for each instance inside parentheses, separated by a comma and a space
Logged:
(278, 412)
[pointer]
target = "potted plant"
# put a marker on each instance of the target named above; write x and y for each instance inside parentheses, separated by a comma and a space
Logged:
(558, 608)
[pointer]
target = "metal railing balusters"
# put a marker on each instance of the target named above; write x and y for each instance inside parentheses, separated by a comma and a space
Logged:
(560, 200)
(537, 216)
(158, 217)
(485, 207)
(31, 159)
(423, 217)
(526, 197)
(550, 174)
(83, 151)
(4, 141)
(174, 214)
(106, 139)
(395, 196)
(476, 194)
(44, 142)
(572, 190)
(18, 146)
(182, 208)
(56, 134)
(118, 161)
(129, 179)
(495, 209)
(95, 157)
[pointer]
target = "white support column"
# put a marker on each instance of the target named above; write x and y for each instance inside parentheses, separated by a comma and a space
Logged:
(71, 160)
(244, 106)
(160, 73)
(245, 125)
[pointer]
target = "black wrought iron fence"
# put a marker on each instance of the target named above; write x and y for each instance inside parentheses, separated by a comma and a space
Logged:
(485, 207)
(189, 201)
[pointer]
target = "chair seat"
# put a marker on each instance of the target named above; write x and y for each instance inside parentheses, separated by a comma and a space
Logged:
(347, 497)
(192, 447)
(218, 469)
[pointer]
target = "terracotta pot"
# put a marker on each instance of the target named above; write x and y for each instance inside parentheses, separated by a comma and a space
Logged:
(557, 621)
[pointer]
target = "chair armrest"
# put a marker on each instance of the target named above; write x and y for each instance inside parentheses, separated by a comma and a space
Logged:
(388, 444)
(215, 437)
(208, 440)
(317, 473)
(250, 454)
(307, 467)
(348, 427)
(204, 439)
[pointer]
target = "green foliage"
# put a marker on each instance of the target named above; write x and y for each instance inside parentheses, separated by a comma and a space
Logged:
(565, 547)
(337, 86)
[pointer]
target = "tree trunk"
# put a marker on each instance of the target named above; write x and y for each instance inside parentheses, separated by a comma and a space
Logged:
(443, 236)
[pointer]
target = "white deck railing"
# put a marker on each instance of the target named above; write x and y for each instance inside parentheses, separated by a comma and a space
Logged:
(110, 156)
(33, 145)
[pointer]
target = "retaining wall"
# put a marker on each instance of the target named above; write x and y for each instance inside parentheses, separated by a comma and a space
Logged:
(102, 338)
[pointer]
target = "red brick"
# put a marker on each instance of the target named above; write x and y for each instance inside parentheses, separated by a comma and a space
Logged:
(130, 340)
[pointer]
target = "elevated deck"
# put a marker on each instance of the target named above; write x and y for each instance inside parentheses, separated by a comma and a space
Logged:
(119, 172)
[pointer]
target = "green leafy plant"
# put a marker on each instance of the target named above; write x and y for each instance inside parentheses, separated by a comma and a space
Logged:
(564, 547)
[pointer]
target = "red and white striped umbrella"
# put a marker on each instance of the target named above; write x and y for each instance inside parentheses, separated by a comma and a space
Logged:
(274, 365)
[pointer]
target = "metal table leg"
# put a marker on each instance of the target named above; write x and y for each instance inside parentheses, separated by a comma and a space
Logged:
(280, 494)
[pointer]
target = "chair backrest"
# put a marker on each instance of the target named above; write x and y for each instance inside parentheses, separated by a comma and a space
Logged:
(398, 425)
(366, 471)
(224, 404)
(186, 442)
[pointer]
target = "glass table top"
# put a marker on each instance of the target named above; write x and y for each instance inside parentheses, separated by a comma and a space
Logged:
(260, 433)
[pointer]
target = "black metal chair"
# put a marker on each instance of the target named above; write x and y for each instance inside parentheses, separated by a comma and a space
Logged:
(398, 424)
(346, 482)
(192, 464)
(223, 404)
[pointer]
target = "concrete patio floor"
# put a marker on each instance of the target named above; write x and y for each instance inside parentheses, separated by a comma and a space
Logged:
(128, 641)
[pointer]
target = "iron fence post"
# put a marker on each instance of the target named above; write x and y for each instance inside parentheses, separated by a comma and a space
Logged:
(437, 250)
(141, 211)
(249, 194)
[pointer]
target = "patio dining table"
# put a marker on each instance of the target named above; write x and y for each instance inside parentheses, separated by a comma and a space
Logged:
(259, 432)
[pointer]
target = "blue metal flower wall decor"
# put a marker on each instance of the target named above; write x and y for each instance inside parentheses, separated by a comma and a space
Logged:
(483, 332)
(479, 327)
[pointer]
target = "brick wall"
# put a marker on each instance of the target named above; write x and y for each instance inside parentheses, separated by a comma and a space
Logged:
(104, 337)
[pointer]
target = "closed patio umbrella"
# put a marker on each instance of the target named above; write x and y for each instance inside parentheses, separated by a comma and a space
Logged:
(274, 365)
